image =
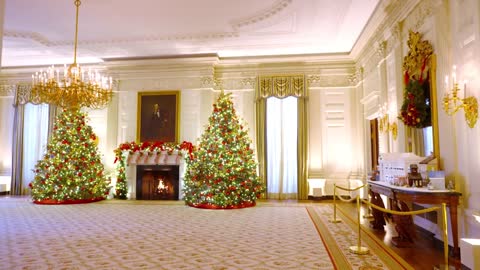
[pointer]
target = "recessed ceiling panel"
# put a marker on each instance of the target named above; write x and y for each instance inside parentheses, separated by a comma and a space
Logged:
(42, 32)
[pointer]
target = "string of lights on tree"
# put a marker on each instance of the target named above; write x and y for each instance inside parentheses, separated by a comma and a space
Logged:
(223, 172)
(71, 170)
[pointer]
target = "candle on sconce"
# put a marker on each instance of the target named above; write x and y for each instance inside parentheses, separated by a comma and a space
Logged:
(446, 82)
(454, 75)
(464, 89)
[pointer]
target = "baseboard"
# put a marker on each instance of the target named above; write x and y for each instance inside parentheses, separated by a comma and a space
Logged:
(4, 193)
(438, 245)
(326, 197)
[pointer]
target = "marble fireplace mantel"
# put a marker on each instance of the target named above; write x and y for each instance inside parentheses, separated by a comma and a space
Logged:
(152, 160)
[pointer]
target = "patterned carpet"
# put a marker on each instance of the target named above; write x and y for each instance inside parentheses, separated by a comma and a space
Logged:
(169, 235)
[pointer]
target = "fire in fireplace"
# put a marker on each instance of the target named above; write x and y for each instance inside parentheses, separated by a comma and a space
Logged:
(162, 189)
(157, 182)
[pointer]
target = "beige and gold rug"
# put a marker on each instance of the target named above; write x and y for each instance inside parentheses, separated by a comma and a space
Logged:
(339, 237)
(169, 235)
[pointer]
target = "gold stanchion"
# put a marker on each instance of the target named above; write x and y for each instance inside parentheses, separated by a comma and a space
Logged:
(445, 234)
(445, 239)
(335, 220)
(358, 249)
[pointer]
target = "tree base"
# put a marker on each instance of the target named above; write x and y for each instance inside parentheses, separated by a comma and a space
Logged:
(52, 201)
(214, 206)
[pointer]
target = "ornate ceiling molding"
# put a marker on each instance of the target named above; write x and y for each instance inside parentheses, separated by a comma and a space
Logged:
(393, 29)
(370, 62)
(262, 16)
(419, 15)
(393, 12)
(28, 35)
(170, 38)
(7, 90)
(229, 83)
(342, 80)
(357, 77)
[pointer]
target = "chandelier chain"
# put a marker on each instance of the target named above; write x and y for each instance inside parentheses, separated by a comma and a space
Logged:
(77, 5)
(77, 87)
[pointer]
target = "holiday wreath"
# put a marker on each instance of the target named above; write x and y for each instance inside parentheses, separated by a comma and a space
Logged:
(415, 111)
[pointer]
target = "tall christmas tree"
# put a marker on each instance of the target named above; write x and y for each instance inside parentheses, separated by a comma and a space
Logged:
(71, 170)
(222, 173)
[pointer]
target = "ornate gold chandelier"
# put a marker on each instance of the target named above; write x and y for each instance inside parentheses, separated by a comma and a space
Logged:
(75, 88)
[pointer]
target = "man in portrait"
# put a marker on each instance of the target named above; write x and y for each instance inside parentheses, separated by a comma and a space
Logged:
(158, 123)
(157, 118)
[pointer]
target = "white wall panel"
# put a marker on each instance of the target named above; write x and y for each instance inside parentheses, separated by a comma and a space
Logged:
(315, 133)
(6, 134)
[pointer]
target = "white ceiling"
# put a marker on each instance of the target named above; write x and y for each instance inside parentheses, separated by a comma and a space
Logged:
(42, 32)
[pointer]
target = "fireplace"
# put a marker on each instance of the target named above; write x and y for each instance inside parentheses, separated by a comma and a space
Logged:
(157, 182)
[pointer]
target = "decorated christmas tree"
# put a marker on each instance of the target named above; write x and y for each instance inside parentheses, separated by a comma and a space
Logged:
(71, 170)
(222, 173)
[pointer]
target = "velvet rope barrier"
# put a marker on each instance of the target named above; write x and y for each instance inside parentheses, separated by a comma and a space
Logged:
(335, 220)
(418, 212)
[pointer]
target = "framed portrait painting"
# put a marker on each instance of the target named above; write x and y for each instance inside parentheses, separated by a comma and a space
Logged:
(158, 116)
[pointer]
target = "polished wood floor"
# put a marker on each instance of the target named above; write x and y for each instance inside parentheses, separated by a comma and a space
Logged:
(426, 253)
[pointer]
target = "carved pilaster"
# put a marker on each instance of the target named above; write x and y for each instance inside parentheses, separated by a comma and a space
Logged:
(397, 31)
(359, 73)
(353, 79)
(381, 49)
(356, 77)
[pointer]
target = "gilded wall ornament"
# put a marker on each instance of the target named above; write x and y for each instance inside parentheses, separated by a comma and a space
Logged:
(419, 53)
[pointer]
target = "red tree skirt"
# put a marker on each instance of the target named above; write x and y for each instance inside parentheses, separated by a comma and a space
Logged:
(213, 206)
(52, 201)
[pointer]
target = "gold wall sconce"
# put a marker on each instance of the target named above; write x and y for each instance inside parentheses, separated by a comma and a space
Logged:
(384, 125)
(394, 129)
(452, 103)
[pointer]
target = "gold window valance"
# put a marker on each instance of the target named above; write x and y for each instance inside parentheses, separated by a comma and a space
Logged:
(23, 94)
(281, 86)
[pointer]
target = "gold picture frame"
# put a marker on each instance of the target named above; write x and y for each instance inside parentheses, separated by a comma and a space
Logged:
(158, 116)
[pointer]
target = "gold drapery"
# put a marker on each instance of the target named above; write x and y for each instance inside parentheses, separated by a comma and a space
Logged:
(282, 86)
